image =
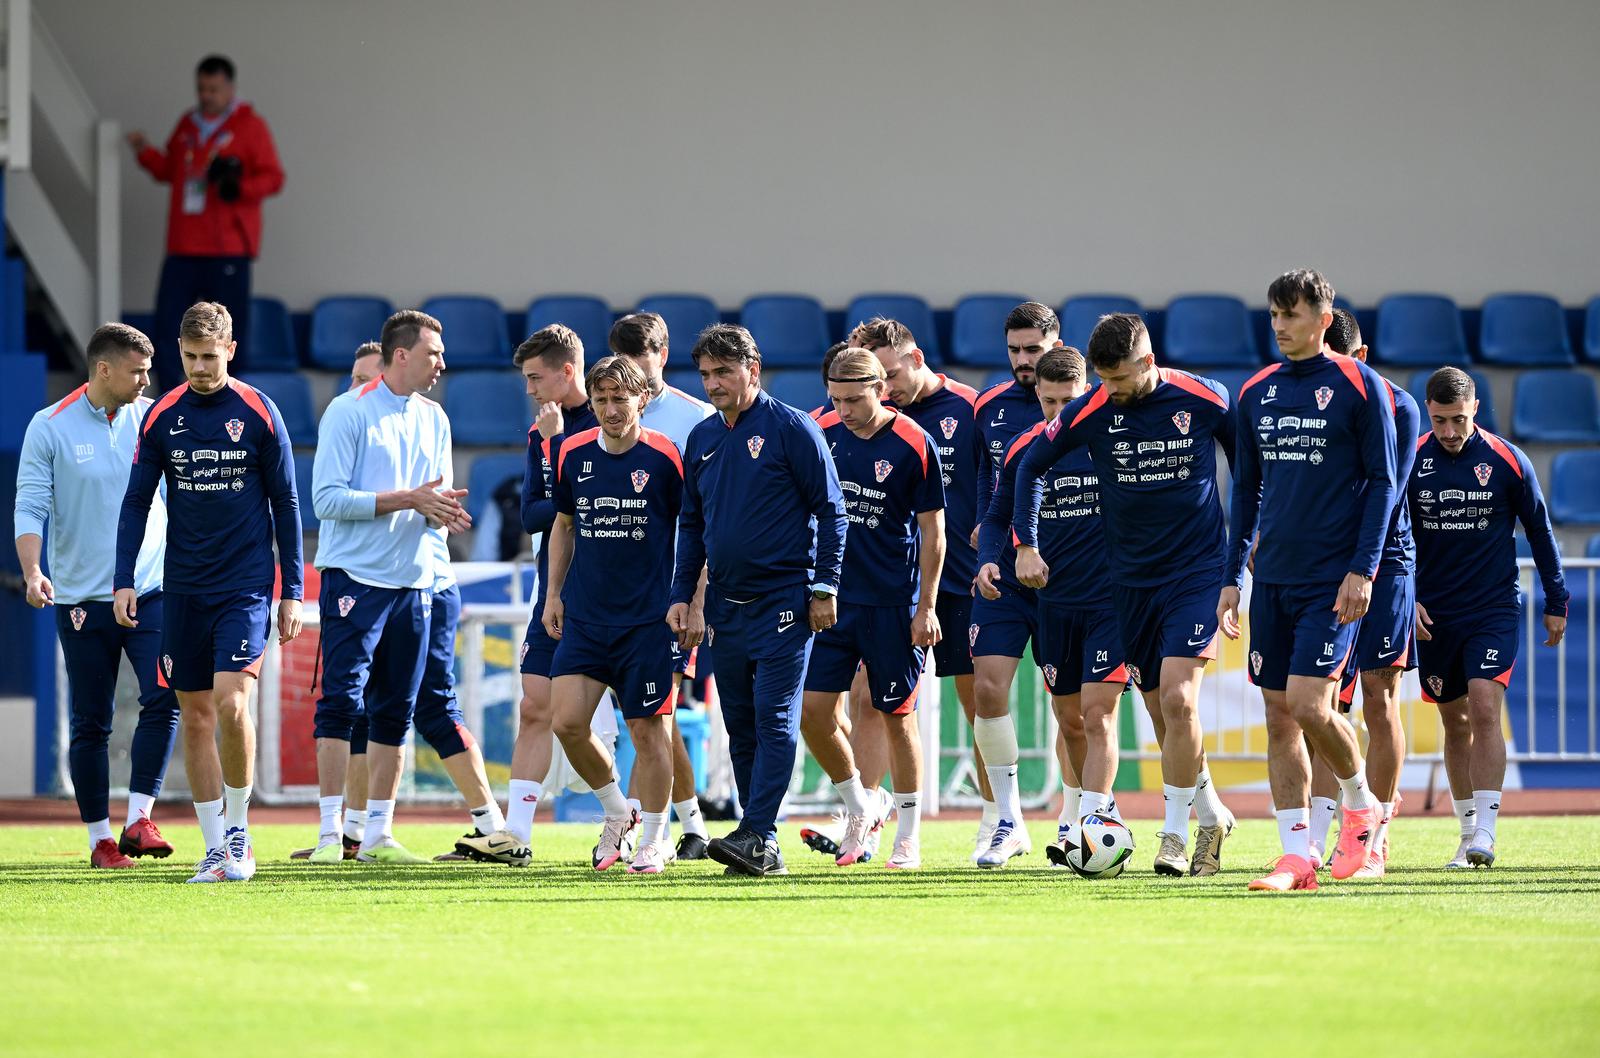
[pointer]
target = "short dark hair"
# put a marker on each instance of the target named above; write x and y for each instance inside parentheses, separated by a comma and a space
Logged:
(830, 356)
(1302, 284)
(367, 349)
(1033, 315)
(404, 328)
(1061, 364)
(727, 342)
(883, 333)
(556, 344)
(1115, 338)
(115, 340)
(638, 333)
(1344, 333)
(206, 321)
(1450, 385)
(212, 65)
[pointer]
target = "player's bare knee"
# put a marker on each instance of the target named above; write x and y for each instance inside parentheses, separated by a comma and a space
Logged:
(1176, 706)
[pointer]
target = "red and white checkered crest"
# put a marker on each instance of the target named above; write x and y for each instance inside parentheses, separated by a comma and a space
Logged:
(1323, 395)
(948, 425)
(235, 428)
(754, 444)
(1181, 420)
(883, 468)
(1436, 685)
(78, 615)
(972, 635)
(346, 604)
(1483, 470)
(1050, 676)
(641, 478)
(166, 663)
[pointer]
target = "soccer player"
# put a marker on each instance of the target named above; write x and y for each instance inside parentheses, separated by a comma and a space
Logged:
(380, 483)
(1385, 646)
(368, 364)
(75, 460)
(1005, 612)
(618, 490)
(893, 485)
(551, 362)
(642, 337)
(224, 454)
(1079, 648)
(763, 512)
(1467, 491)
(1313, 427)
(1152, 433)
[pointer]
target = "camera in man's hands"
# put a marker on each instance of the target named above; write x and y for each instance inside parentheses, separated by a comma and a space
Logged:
(225, 172)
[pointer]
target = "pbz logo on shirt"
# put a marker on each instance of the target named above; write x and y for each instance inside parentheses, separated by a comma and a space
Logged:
(235, 428)
(641, 478)
(754, 444)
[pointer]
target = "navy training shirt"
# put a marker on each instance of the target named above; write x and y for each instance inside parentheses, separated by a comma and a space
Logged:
(1070, 536)
(538, 488)
(229, 470)
(1399, 547)
(625, 524)
(887, 480)
(1002, 412)
(1156, 461)
(948, 415)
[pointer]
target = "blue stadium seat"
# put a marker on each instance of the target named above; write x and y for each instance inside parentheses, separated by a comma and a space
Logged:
(270, 346)
(907, 308)
(996, 377)
(1080, 314)
(1232, 377)
(1592, 549)
(686, 315)
(302, 487)
(339, 324)
(489, 471)
(791, 330)
(1524, 330)
(1575, 487)
(685, 379)
(1591, 332)
(587, 315)
(474, 330)
(1557, 406)
(1418, 388)
(291, 392)
(487, 408)
(798, 388)
(1209, 330)
(978, 329)
(1419, 330)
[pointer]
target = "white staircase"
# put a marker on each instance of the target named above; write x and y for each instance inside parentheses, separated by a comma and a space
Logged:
(41, 94)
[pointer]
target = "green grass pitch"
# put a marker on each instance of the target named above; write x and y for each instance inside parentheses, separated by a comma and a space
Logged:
(454, 959)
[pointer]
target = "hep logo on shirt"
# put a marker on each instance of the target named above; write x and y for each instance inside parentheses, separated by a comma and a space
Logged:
(641, 478)
(235, 428)
(754, 444)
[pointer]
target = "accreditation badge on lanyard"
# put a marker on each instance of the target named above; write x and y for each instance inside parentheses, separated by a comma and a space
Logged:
(194, 184)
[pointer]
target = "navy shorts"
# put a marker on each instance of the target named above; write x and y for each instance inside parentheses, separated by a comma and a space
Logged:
(438, 717)
(373, 639)
(878, 637)
(635, 661)
(1386, 638)
(1482, 646)
(1076, 647)
(1295, 631)
(952, 655)
(204, 634)
(538, 649)
(1005, 625)
(1177, 619)
(683, 661)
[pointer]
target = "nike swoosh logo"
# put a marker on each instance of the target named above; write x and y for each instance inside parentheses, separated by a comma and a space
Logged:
(496, 845)
(997, 423)
(585, 477)
(651, 702)
(1108, 668)
(784, 628)
(707, 456)
(1426, 473)
(173, 433)
(1330, 661)
(886, 701)
(247, 657)
(1194, 643)
(1118, 429)
(85, 459)
(1488, 666)
(1391, 654)
(1269, 400)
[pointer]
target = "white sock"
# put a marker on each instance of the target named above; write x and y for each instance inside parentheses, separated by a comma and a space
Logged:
(853, 794)
(1356, 794)
(140, 805)
(1208, 807)
(99, 830)
(633, 803)
(355, 823)
(209, 813)
(1111, 808)
(1294, 831)
(1071, 798)
(235, 807)
(329, 808)
(1178, 800)
(689, 817)
(991, 813)
(380, 822)
(611, 800)
(1321, 822)
(1487, 803)
(664, 835)
(525, 794)
(1093, 803)
(996, 738)
(1383, 827)
(907, 816)
(1466, 814)
(651, 826)
(487, 818)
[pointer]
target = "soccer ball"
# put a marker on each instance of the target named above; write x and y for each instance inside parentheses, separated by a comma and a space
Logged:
(1103, 846)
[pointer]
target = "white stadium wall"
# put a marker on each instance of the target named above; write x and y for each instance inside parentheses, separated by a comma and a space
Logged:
(733, 147)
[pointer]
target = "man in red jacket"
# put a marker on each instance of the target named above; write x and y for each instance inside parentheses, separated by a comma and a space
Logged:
(220, 162)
